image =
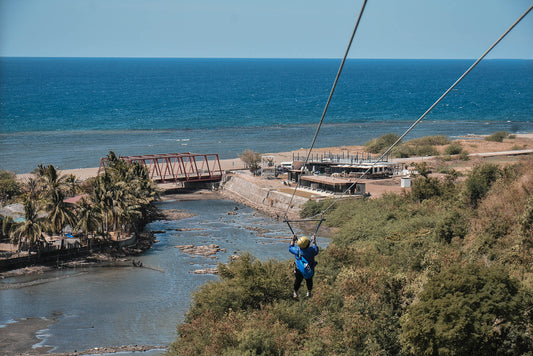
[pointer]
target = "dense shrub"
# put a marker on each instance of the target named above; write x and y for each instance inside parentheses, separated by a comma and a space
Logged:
(450, 172)
(479, 182)
(313, 208)
(425, 187)
(9, 187)
(497, 136)
(464, 156)
(437, 140)
(468, 310)
(501, 229)
(380, 144)
(247, 283)
(452, 224)
(256, 332)
(453, 149)
(421, 147)
(406, 150)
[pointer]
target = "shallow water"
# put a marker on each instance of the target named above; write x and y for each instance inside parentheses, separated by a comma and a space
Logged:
(125, 306)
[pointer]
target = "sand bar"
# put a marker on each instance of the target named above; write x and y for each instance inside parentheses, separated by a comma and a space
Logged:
(20, 337)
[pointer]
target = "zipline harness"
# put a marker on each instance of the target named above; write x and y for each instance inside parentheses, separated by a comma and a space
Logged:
(321, 214)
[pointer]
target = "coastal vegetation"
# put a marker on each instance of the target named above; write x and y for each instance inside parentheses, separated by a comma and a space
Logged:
(423, 146)
(498, 136)
(115, 203)
(9, 187)
(445, 269)
(380, 144)
(251, 160)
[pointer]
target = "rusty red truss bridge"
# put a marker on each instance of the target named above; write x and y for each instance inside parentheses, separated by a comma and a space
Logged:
(177, 167)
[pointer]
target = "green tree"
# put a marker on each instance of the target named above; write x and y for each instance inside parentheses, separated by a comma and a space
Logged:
(452, 224)
(102, 198)
(50, 179)
(124, 195)
(59, 213)
(32, 188)
(88, 217)
(468, 310)
(72, 185)
(6, 224)
(251, 160)
(29, 232)
(9, 187)
(479, 182)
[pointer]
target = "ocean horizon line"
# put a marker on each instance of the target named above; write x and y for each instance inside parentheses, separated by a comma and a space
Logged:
(270, 58)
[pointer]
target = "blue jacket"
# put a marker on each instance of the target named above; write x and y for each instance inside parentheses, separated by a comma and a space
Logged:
(309, 253)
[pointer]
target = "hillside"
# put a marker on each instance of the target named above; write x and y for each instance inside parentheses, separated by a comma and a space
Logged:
(445, 268)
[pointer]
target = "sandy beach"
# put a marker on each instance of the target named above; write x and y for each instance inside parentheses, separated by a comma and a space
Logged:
(472, 144)
(476, 146)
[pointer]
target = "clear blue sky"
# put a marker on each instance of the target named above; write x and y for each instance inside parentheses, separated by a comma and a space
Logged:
(263, 29)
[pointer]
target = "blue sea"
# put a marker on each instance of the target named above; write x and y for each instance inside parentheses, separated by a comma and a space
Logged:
(70, 112)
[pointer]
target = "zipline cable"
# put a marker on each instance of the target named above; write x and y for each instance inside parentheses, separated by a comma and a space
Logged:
(417, 121)
(320, 221)
(432, 106)
(328, 101)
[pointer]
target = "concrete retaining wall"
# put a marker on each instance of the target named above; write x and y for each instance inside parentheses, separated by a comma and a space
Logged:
(45, 258)
(267, 200)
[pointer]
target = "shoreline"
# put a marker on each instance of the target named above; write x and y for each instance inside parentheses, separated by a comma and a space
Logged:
(479, 150)
(471, 143)
(22, 337)
(476, 146)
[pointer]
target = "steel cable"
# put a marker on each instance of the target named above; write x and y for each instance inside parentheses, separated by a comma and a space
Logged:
(328, 102)
(430, 108)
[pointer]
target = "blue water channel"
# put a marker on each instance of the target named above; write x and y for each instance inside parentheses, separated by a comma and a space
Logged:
(114, 306)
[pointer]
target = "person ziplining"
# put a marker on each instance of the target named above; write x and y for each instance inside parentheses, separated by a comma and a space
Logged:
(304, 262)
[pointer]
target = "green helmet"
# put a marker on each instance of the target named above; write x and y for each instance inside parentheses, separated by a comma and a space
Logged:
(303, 242)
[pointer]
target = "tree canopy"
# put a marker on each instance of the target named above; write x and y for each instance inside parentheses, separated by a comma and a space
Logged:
(119, 200)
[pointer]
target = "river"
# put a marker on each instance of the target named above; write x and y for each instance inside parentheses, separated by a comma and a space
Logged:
(114, 306)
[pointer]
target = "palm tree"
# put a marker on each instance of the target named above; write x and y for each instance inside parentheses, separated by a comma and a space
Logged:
(32, 189)
(124, 195)
(102, 198)
(6, 224)
(60, 213)
(88, 217)
(31, 230)
(50, 179)
(72, 185)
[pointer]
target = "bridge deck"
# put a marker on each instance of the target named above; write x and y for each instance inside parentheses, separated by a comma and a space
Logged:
(178, 167)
